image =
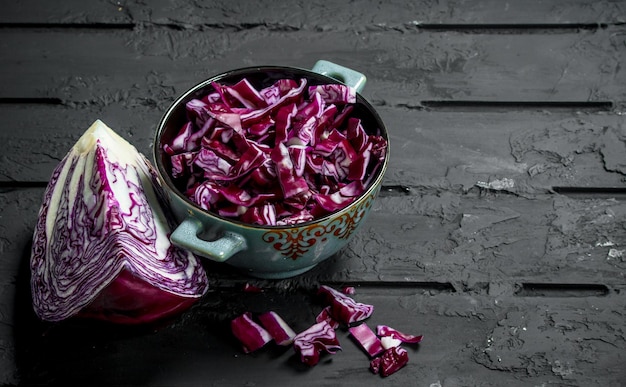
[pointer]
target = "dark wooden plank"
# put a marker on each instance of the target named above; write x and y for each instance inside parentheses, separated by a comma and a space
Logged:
(534, 150)
(466, 241)
(404, 68)
(41, 135)
(67, 12)
(481, 238)
(397, 14)
(310, 15)
(433, 149)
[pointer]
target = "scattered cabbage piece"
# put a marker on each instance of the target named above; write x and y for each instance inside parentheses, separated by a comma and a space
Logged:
(367, 339)
(251, 335)
(348, 290)
(343, 308)
(383, 348)
(280, 331)
(325, 315)
(386, 331)
(309, 344)
(390, 362)
(334, 93)
(389, 342)
(101, 244)
(250, 288)
(294, 153)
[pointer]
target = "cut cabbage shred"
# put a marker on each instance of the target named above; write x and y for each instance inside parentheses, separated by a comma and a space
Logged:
(325, 315)
(387, 331)
(391, 361)
(101, 244)
(343, 308)
(367, 339)
(297, 148)
(317, 339)
(251, 335)
(389, 342)
(383, 348)
(280, 331)
(348, 290)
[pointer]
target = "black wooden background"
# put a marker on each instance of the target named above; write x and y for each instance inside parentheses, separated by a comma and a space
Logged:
(500, 234)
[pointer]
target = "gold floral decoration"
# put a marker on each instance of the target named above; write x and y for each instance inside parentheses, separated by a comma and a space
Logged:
(297, 241)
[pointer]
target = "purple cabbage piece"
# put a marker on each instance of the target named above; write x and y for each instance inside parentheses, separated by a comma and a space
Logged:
(386, 331)
(251, 335)
(294, 146)
(101, 245)
(367, 339)
(275, 92)
(334, 93)
(391, 361)
(344, 308)
(246, 94)
(215, 167)
(280, 331)
(319, 338)
(290, 182)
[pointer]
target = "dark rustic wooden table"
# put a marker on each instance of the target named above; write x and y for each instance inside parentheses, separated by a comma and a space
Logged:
(500, 233)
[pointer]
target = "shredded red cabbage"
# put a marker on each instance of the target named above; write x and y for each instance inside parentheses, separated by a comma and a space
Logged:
(386, 331)
(281, 155)
(367, 339)
(389, 342)
(349, 290)
(309, 344)
(383, 348)
(280, 331)
(251, 335)
(344, 309)
(390, 362)
(324, 315)
(250, 288)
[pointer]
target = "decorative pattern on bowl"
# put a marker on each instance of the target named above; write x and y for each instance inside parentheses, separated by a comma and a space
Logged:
(295, 242)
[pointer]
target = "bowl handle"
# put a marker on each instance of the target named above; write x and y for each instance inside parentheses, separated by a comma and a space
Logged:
(342, 74)
(219, 250)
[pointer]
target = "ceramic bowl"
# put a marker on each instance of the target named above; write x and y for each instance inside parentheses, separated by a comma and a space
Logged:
(271, 252)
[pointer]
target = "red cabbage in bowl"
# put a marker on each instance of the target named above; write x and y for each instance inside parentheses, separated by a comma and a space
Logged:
(277, 155)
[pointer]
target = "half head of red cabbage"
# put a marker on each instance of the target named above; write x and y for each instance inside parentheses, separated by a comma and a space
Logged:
(101, 244)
